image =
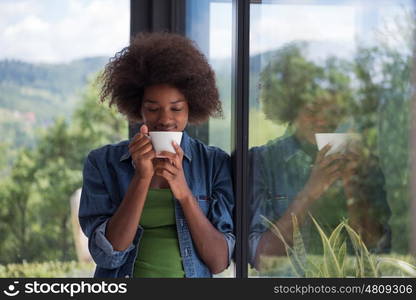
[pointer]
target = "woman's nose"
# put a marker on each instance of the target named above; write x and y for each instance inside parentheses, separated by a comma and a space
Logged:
(164, 114)
(165, 117)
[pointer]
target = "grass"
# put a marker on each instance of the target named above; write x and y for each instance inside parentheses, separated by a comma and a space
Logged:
(52, 269)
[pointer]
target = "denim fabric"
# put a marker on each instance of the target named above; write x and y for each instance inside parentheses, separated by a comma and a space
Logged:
(278, 172)
(106, 177)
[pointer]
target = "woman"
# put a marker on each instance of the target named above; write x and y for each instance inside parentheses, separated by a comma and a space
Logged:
(290, 176)
(150, 214)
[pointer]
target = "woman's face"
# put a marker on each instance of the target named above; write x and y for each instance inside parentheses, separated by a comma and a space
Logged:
(317, 117)
(164, 108)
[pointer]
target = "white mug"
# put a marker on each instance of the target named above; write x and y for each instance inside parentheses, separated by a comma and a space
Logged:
(162, 140)
(338, 141)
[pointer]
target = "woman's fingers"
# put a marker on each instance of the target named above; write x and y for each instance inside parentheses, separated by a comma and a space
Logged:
(137, 139)
(165, 165)
(334, 167)
(175, 158)
(149, 155)
(331, 158)
(165, 169)
(143, 149)
(165, 174)
(178, 149)
(322, 153)
(334, 176)
(167, 154)
(144, 129)
(143, 142)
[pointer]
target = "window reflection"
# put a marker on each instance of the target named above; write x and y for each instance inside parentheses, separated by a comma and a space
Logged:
(358, 95)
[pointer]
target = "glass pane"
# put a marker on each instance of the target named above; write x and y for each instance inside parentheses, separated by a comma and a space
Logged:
(209, 24)
(339, 73)
(51, 52)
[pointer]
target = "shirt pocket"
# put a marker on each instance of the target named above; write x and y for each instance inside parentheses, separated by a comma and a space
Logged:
(203, 203)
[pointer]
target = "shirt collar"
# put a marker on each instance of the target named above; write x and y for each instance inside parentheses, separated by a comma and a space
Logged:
(292, 148)
(185, 145)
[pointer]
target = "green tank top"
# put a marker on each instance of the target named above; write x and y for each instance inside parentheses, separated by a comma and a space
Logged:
(158, 255)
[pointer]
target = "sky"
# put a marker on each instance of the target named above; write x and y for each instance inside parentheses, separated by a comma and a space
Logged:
(332, 27)
(63, 30)
(54, 31)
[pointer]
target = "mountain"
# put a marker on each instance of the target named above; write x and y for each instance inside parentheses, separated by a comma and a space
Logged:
(47, 90)
(32, 95)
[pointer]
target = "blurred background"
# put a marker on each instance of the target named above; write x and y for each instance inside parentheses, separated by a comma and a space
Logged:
(51, 52)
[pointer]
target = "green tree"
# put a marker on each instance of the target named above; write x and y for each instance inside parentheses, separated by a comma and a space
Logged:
(16, 215)
(35, 208)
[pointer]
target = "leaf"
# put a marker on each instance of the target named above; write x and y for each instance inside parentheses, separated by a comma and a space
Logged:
(296, 263)
(298, 245)
(403, 266)
(335, 239)
(341, 257)
(314, 270)
(366, 262)
(331, 264)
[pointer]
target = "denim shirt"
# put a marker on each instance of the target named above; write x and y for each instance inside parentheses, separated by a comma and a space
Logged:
(280, 169)
(106, 177)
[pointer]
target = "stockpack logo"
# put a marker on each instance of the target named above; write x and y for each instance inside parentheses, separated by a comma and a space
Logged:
(69, 288)
(12, 291)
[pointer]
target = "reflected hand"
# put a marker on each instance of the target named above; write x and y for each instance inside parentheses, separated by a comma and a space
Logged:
(170, 168)
(326, 170)
(142, 153)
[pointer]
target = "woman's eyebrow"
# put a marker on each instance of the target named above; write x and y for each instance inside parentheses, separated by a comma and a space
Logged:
(177, 101)
(156, 102)
(150, 101)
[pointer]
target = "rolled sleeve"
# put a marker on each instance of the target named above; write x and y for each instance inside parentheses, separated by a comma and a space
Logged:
(95, 210)
(105, 249)
(230, 239)
(253, 241)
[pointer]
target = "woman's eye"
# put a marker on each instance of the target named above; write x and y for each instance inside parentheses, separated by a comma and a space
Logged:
(152, 109)
(176, 108)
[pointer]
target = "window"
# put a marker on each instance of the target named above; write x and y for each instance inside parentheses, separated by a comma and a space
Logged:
(339, 73)
(209, 24)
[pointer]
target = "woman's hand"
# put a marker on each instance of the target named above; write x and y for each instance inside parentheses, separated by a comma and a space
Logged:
(169, 166)
(326, 170)
(142, 153)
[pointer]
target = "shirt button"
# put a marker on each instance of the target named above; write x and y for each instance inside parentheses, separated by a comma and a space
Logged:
(127, 276)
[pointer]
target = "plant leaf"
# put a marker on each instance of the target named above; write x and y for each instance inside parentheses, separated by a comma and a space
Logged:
(331, 265)
(335, 238)
(403, 266)
(366, 262)
(296, 264)
(341, 257)
(298, 245)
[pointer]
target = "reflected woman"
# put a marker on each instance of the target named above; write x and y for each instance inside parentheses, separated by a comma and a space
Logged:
(149, 214)
(290, 176)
